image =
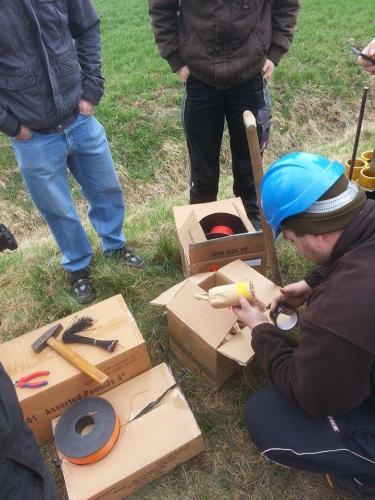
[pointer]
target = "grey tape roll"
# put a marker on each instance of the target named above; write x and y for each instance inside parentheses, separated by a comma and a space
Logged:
(284, 316)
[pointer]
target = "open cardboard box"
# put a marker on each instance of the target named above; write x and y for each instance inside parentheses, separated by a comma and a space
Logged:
(199, 334)
(147, 447)
(66, 383)
(200, 254)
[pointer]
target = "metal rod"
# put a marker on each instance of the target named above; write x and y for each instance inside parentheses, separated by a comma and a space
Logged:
(359, 127)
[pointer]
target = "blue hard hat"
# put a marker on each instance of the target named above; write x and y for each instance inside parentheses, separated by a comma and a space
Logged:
(293, 183)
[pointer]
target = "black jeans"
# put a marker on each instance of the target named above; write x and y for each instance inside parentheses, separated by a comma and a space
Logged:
(342, 446)
(204, 110)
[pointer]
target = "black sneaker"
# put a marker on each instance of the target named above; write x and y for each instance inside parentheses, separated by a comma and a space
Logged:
(351, 487)
(127, 256)
(81, 286)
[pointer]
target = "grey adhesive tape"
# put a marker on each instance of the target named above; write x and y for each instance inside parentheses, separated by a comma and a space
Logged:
(284, 316)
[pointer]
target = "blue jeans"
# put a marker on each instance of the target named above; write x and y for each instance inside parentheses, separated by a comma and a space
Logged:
(44, 160)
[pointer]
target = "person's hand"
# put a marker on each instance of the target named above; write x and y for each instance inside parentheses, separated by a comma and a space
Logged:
(24, 134)
(370, 51)
(294, 294)
(86, 107)
(249, 313)
(183, 73)
(267, 69)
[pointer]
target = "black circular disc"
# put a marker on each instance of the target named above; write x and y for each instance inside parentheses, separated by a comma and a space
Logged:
(222, 219)
(94, 412)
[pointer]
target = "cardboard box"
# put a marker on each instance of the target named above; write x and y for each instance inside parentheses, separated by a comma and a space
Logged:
(200, 254)
(66, 383)
(200, 335)
(147, 448)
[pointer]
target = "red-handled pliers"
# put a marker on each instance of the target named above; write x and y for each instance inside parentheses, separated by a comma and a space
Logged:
(24, 381)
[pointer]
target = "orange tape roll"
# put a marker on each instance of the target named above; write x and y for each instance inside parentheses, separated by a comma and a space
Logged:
(87, 431)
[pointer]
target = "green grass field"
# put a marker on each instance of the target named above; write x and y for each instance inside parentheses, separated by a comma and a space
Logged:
(316, 94)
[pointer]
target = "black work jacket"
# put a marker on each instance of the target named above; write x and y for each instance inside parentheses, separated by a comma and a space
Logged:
(49, 60)
(17, 444)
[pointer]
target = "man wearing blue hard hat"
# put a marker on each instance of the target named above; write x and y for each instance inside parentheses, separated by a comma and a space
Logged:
(319, 413)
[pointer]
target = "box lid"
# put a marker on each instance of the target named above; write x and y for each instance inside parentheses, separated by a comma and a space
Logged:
(210, 324)
(113, 320)
(238, 347)
(239, 271)
(164, 298)
(233, 206)
(142, 442)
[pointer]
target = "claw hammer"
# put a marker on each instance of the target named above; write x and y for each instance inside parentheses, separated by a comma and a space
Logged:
(48, 339)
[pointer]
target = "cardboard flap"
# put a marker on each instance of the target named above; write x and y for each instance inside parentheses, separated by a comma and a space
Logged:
(210, 324)
(164, 298)
(239, 271)
(239, 347)
(237, 203)
(230, 246)
(191, 232)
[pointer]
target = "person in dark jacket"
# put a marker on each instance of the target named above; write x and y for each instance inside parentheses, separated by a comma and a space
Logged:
(50, 81)
(319, 413)
(224, 52)
(23, 473)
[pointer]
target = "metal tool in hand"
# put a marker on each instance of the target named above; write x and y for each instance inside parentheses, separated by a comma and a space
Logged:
(284, 316)
(25, 381)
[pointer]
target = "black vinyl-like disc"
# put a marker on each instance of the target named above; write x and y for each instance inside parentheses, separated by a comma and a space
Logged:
(95, 412)
(222, 219)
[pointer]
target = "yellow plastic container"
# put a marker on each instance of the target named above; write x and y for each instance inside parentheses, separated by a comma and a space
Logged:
(367, 156)
(366, 180)
(358, 165)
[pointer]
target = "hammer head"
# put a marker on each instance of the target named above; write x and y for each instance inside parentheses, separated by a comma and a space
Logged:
(39, 344)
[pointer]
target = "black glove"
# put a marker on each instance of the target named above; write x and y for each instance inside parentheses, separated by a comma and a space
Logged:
(7, 240)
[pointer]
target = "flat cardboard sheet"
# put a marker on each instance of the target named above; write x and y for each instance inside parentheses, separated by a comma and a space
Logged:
(148, 447)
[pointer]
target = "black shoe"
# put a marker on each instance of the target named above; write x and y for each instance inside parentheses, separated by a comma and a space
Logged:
(81, 286)
(351, 487)
(127, 256)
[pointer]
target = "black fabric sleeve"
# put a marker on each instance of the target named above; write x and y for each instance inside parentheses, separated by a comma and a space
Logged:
(9, 124)
(284, 18)
(316, 276)
(84, 27)
(164, 20)
(323, 375)
(11, 419)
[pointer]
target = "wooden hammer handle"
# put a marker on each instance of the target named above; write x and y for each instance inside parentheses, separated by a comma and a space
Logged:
(78, 361)
(256, 163)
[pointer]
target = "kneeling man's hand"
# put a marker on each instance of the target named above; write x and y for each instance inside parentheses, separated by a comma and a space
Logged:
(249, 313)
